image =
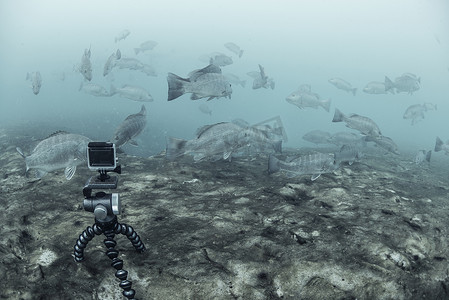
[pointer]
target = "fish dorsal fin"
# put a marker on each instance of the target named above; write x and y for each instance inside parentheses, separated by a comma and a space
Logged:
(205, 128)
(193, 76)
(57, 133)
(143, 111)
(69, 172)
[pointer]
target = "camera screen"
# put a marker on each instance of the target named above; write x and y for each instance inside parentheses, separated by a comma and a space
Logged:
(101, 156)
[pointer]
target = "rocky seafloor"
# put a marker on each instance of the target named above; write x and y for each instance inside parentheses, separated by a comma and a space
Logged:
(377, 229)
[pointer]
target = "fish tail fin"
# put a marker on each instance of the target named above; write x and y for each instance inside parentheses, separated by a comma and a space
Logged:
(326, 104)
(354, 90)
(136, 50)
(273, 164)
(428, 155)
(338, 116)
(176, 86)
(389, 85)
(438, 145)
(175, 148)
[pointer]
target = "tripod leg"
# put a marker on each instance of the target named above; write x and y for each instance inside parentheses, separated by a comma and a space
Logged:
(83, 239)
(131, 235)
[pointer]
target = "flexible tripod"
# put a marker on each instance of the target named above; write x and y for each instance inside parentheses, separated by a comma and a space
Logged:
(106, 207)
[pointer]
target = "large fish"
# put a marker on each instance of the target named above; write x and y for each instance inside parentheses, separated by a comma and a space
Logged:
(348, 153)
(312, 164)
(343, 85)
(36, 81)
(422, 156)
(131, 127)
(59, 150)
(415, 113)
(86, 66)
(317, 137)
(407, 83)
(363, 124)
(207, 82)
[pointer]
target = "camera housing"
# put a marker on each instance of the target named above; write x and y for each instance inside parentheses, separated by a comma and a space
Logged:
(101, 156)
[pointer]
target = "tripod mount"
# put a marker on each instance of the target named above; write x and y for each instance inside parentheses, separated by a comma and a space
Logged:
(106, 207)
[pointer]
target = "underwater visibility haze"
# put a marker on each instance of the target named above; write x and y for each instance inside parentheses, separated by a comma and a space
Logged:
(311, 134)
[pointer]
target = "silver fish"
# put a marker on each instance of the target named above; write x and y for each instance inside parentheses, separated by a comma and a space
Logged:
(221, 60)
(60, 150)
(111, 62)
(234, 48)
(440, 145)
(363, 124)
(302, 98)
(342, 138)
(376, 87)
(86, 66)
(122, 35)
(234, 79)
(132, 92)
(312, 164)
(131, 127)
(407, 83)
(415, 113)
(94, 89)
(317, 137)
(36, 81)
(422, 156)
(348, 153)
(343, 85)
(203, 83)
(205, 109)
(384, 142)
(129, 63)
(145, 46)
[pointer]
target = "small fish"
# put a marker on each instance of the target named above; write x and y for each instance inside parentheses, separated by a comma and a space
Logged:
(129, 63)
(407, 83)
(131, 127)
(343, 85)
(415, 113)
(59, 150)
(342, 138)
(205, 109)
(261, 79)
(376, 87)
(234, 48)
(36, 81)
(86, 66)
(207, 82)
(440, 145)
(363, 124)
(132, 92)
(122, 35)
(312, 164)
(94, 89)
(422, 156)
(234, 79)
(111, 62)
(145, 46)
(221, 60)
(384, 142)
(302, 98)
(317, 137)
